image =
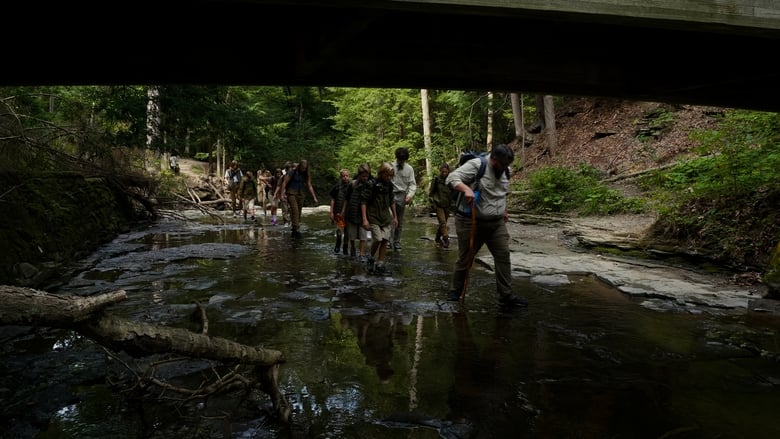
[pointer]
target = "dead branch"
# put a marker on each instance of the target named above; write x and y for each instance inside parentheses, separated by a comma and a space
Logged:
(200, 205)
(217, 191)
(29, 307)
(638, 173)
(200, 314)
(139, 338)
(193, 195)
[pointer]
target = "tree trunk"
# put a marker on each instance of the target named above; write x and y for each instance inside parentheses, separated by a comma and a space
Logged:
(549, 122)
(517, 114)
(28, 307)
(538, 125)
(519, 118)
(489, 143)
(152, 116)
(426, 130)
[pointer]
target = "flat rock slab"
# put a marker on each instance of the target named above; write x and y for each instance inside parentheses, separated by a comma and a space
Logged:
(544, 249)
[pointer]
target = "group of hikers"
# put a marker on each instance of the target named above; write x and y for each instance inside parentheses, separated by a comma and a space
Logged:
(284, 190)
(372, 208)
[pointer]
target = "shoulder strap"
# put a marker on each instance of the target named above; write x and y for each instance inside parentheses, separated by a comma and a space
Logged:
(481, 171)
(482, 166)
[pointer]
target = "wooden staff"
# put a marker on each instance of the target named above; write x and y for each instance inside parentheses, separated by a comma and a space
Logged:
(470, 261)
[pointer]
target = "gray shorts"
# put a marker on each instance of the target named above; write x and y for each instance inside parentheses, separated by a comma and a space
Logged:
(356, 231)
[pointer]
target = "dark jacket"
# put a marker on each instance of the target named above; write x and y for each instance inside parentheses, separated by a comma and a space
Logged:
(440, 194)
(378, 198)
(339, 194)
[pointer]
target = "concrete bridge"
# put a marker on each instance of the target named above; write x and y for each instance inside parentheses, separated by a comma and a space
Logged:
(711, 52)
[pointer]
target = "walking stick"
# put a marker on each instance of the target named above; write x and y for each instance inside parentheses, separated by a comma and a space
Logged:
(470, 261)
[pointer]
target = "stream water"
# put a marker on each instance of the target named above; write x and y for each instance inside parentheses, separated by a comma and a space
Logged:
(388, 357)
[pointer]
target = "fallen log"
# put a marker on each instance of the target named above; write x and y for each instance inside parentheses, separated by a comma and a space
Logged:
(28, 307)
(138, 339)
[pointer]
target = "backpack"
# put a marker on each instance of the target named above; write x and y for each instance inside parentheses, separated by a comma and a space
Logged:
(464, 157)
(233, 184)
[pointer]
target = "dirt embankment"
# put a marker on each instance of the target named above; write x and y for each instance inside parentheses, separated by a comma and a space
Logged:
(617, 137)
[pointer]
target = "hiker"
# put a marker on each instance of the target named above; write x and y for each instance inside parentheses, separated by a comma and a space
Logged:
(440, 200)
(295, 182)
(351, 213)
(263, 178)
(284, 204)
(379, 217)
(337, 197)
(485, 223)
(247, 190)
(233, 176)
(274, 183)
(174, 162)
(404, 187)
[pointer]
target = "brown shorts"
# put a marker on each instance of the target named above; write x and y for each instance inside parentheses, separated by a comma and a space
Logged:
(381, 233)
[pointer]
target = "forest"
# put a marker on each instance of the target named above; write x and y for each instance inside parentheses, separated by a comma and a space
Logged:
(718, 199)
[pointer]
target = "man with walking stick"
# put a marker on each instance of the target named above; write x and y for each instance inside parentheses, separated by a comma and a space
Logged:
(480, 218)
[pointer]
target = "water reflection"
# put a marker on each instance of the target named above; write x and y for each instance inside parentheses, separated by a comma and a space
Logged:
(374, 333)
(386, 357)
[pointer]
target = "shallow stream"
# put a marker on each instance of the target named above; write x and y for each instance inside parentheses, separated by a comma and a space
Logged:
(388, 357)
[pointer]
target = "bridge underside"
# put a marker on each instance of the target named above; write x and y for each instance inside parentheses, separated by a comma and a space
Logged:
(240, 42)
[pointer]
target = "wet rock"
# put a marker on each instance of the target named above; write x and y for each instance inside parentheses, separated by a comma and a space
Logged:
(544, 250)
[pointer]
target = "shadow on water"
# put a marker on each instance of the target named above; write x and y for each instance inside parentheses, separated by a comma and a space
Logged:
(387, 357)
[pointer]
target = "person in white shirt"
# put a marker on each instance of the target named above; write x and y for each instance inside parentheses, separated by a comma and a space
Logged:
(404, 187)
(233, 176)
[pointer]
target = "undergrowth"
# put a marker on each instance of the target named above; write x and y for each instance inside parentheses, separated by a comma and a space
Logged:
(724, 204)
(559, 189)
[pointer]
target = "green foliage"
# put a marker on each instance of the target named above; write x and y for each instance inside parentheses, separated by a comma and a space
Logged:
(723, 202)
(375, 122)
(742, 156)
(559, 189)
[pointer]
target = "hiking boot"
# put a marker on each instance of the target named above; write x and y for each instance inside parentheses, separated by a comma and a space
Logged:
(510, 300)
(345, 250)
(296, 234)
(382, 270)
(453, 296)
(445, 242)
(370, 265)
(396, 246)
